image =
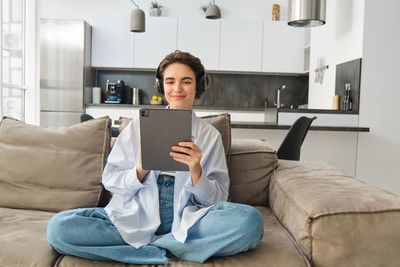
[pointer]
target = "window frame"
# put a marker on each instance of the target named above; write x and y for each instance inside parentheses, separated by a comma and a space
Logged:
(11, 86)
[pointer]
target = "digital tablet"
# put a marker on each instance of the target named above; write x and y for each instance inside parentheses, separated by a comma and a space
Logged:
(160, 129)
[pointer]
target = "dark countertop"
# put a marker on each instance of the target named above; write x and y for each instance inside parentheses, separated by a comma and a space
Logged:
(124, 105)
(261, 125)
(283, 110)
(329, 111)
(163, 106)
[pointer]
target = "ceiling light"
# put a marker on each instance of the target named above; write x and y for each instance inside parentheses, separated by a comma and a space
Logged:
(213, 11)
(138, 20)
(307, 13)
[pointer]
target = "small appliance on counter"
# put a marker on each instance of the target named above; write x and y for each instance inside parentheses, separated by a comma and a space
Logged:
(96, 95)
(126, 95)
(135, 96)
(114, 91)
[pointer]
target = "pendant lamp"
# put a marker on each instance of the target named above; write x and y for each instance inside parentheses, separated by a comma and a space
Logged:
(213, 11)
(138, 20)
(307, 13)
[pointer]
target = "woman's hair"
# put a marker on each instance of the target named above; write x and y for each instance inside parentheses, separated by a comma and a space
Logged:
(189, 60)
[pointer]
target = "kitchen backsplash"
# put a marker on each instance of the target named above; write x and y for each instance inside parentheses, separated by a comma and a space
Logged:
(349, 72)
(228, 91)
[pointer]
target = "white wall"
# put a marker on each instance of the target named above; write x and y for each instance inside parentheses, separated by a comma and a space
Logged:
(339, 40)
(379, 150)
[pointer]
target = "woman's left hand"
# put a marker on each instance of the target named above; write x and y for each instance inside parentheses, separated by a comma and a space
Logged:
(191, 158)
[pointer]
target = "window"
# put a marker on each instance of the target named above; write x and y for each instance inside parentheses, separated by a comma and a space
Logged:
(12, 76)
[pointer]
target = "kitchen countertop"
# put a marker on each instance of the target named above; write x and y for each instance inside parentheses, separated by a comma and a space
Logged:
(329, 111)
(261, 125)
(283, 110)
(125, 106)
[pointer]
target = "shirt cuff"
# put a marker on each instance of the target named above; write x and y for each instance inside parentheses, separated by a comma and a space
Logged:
(133, 181)
(202, 188)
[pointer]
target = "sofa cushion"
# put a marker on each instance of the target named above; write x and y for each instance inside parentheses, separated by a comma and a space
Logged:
(52, 169)
(277, 248)
(251, 165)
(222, 122)
(23, 239)
(337, 219)
(123, 122)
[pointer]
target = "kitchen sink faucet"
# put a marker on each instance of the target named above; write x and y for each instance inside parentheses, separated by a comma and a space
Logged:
(278, 103)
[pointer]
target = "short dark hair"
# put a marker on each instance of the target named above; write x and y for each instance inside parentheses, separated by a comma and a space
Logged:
(187, 59)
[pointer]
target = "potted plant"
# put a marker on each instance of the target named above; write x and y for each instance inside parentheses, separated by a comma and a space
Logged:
(155, 9)
(204, 7)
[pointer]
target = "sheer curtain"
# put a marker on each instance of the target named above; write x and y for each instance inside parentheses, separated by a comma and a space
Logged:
(12, 76)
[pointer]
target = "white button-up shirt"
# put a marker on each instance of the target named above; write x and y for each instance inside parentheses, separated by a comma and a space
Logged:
(134, 207)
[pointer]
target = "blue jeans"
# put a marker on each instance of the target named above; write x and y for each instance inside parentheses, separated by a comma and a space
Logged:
(226, 229)
(166, 202)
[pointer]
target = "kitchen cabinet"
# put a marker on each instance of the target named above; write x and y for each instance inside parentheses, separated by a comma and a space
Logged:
(159, 39)
(225, 45)
(200, 37)
(283, 48)
(241, 45)
(112, 42)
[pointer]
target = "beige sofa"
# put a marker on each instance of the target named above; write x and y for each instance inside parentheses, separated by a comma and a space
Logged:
(314, 215)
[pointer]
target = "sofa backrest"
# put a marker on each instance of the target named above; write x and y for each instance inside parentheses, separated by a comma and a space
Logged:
(52, 169)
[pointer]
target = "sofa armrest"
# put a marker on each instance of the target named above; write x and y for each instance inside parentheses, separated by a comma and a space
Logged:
(336, 219)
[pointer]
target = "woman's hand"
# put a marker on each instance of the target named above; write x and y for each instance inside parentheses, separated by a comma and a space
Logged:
(191, 158)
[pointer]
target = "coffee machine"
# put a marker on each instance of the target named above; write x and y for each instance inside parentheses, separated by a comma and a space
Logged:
(114, 91)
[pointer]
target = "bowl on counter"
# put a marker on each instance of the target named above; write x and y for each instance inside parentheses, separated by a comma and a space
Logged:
(155, 102)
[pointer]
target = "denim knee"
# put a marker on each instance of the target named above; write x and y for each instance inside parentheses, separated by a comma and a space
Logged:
(257, 222)
(252, 227)
(55, 231)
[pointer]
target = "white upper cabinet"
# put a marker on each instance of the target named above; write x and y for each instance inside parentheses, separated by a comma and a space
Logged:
(225, 44)
(159, 39)
(112, 42)
(241, 45)
(200, 37)
(283, 48)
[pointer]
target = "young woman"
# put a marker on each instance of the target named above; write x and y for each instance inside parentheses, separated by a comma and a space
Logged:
(152, 212)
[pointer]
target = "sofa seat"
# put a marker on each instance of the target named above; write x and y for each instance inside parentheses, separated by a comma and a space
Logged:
(277, 248)
(23, 239)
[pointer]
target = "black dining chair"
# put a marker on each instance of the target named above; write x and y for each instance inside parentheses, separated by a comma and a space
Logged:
(291, 145)
(86, 117)
(114, 130)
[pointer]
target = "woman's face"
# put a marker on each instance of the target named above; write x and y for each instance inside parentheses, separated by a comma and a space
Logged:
(179, 86)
